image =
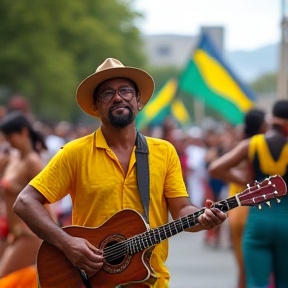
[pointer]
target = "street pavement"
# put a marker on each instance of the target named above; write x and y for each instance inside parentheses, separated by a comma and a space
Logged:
(192, 264)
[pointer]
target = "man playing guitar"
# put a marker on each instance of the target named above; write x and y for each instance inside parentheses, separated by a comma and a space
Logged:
(99, 173)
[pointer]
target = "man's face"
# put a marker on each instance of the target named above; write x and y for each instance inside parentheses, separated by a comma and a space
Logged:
(117, 102)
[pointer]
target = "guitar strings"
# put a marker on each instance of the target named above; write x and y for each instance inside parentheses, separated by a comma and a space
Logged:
(121, 248)
(139, 240)
(117, 250)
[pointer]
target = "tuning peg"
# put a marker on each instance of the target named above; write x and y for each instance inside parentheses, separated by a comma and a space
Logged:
(268, 204)
(259, 207)
(278, 200)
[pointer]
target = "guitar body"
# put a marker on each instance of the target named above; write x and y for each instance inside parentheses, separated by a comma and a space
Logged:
(55, 270)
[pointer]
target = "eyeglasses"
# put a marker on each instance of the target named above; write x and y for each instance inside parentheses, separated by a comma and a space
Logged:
(126, 93)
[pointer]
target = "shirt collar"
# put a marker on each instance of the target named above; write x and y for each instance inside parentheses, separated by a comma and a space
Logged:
(100, 139)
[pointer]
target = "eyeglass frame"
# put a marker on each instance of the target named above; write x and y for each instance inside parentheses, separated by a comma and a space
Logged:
(96, 92)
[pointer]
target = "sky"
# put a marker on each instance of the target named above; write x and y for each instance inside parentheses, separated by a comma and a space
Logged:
(248, 24)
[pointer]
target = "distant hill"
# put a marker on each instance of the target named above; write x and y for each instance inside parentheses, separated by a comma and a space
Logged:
(250, 65)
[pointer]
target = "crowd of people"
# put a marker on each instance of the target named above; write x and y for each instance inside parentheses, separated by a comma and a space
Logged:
(49, 175)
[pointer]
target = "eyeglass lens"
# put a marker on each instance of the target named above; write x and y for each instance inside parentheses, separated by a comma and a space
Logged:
(125, 93)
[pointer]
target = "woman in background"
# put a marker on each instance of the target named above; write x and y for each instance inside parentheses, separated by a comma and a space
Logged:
(22, 164)
(254, 123)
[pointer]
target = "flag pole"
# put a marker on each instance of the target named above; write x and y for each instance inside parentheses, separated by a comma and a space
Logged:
(199, 111)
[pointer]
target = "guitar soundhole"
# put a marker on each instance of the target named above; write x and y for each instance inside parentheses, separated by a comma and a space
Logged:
(116, 257)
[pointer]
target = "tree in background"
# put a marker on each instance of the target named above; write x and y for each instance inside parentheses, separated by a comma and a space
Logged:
(267, 84)
(48, 47)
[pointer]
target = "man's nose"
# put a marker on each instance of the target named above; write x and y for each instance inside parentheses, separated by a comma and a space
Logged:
(117, 97)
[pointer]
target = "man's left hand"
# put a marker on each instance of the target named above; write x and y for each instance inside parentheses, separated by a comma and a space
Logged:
(212, 217)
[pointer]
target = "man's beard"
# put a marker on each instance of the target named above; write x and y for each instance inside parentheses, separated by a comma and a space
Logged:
(121, 120)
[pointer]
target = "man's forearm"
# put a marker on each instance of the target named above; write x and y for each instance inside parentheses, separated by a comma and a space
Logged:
(38, 219)
(191, 210)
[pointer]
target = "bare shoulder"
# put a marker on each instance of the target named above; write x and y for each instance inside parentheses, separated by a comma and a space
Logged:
(240, 151)
(33, 163)
(33, 158)
(244, 144)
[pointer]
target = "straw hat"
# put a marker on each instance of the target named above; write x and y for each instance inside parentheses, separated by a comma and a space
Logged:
(112, 68)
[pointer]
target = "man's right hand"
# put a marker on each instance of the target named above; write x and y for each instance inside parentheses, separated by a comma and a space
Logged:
(83, 254)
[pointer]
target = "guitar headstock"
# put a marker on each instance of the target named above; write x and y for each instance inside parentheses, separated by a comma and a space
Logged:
(272, 187)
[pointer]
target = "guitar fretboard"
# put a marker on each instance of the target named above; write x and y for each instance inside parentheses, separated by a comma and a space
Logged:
(154, 236)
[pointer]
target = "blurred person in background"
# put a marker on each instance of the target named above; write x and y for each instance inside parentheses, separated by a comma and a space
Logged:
(57, 137)
(19, 103)
(4, 157)
(19, 164)
(215, 147)
(180, 144)
(254, 123)
(265, 237)
(3, 112)
(196, 169)
(177, 137)
(115, 94)
(169, 126)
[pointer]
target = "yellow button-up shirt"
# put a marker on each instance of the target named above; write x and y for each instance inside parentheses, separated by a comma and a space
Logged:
(90, 172)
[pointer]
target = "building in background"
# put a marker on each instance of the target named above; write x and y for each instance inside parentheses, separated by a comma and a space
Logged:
(176, 50)
(169, 50)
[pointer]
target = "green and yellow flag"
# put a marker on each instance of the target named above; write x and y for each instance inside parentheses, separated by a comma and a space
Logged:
(179, 112)
(209, 79)
(163, 104)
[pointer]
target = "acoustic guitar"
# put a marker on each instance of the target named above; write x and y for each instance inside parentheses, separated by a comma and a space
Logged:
(128, 242)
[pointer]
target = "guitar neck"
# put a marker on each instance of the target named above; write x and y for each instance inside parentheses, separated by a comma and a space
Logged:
(155, 236)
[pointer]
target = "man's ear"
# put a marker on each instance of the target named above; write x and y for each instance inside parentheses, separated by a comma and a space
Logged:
(138, 103)
(138, 96)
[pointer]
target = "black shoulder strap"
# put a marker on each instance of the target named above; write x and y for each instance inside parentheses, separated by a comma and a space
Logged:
(142, 171)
